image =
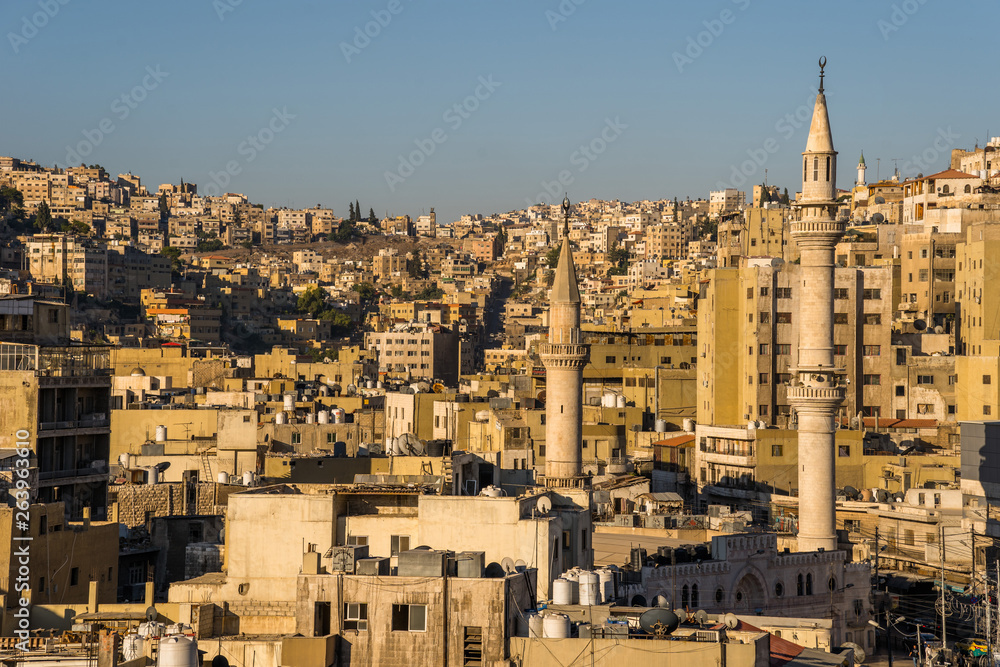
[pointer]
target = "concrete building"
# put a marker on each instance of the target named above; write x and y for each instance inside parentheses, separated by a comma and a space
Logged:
(817, 392)
(417, 351)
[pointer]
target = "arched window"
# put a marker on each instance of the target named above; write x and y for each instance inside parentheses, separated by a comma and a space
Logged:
(779, 589)
(968, 189)
(798, 587)
(694, 595)
(684, 597)
(827, 167)
(832, 584)
(805, 169)
(809, 584)
(719, 595)
(815, 168)
(945, 190)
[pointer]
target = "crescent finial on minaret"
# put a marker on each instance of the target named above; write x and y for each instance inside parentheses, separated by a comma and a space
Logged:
(822, 66)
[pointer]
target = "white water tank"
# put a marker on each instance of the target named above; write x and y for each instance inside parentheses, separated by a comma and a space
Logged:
(323, 417)
(125, 460)
(339, 415)
(590, 585)
(482, 415)
(689, 425)
(178, 651)
(379, 385)
(161, 433)
(660, 426)
(535, 625)
(369, 384)
(151, 629)
(223, 477)
(248, 478)
(607, 585)
(289, 402)
(608, 400)
(151, 475)
(281, 418)
(491, 492)
(562, 591)
(132, 646)
(620, 401)
(310, 418)
(555, 626)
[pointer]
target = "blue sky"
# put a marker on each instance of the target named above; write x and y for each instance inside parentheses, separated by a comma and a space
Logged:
(667, 98)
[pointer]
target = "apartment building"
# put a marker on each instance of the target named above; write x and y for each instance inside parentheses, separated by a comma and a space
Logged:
(417, 351)
(73, 262)
(748, 342)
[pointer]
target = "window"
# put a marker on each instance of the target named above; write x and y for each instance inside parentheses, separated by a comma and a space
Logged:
(852, 525)
(840, 293)
(719, 595)
(779, 589)
(840, 350)
(987, 410)
(357, 540)
(809, 584)
(356, 616)
(762, 379)
(799, 588)
(987, 379)
(409, 618)
(783, 348)
(873, 294)
(762, 410)
(901, 357)
(872, 350)
(783, 292)
(840, 318)
(609, 360)
(873, 318)
(871, 380)
(685, 596)
(763, 348)
(399, 543)
(900, 390)
(296, 438)
(925, 408)
(925, 379)
(763, 291)
(694, 595)
(923, 275)
(765, 318)
(783, 318)
(749, 292)
(74, 576)
(844, 450)
(777, 450)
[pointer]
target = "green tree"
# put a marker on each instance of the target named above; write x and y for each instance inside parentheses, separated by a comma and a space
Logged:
(351, 214)
(312, 301)
(341, 323)
(784, 198)
(11, 199)
(212, 245)
(429, 293)
(357, 211)
(371, 216)
(174, 255)
(164, 206)
(620, 258)
(43, 217)
(552, 258)
(366, 291)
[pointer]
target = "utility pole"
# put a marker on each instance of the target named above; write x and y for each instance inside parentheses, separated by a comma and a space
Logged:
(944, 629)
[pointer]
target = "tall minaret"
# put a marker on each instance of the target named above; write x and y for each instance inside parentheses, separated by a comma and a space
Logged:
(861, 170)
(817, 392)
(564, 358)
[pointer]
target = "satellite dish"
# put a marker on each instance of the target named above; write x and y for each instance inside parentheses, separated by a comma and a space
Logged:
(939, 329)
(879, 200)
(661, 601)
(851, 492)
(160, 467)
(919, 325)
(508, 565)
(859, 653)
(152, 614)
(701, 616)
(659, 622)
(543, 505)
(520, 565)
(351, 390)
(423, 547)
(438, 388)
(220, 661)
(409, 445)
(494, 571)
(375, 448)
(731, 621)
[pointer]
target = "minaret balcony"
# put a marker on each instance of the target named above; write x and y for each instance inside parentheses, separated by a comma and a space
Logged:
(561, 355)
(805, 398)
(810, 227)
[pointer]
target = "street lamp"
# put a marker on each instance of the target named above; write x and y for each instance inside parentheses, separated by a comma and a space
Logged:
(888, 635)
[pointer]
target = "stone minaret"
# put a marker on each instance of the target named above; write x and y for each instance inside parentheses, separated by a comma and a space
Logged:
(817, 393)
(861, 170)
(564, 358)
